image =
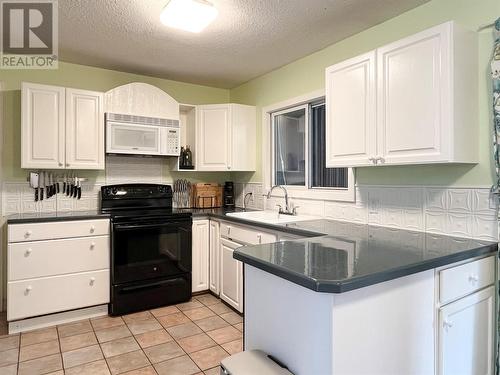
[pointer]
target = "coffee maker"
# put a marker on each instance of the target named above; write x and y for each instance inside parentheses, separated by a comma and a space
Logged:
(229, 194)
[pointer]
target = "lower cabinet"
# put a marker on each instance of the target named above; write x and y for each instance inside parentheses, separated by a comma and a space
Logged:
(467, 335)
(214, 258)
(200, 255)
(231, 275)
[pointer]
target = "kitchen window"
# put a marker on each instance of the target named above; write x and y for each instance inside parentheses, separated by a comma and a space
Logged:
(298, 149)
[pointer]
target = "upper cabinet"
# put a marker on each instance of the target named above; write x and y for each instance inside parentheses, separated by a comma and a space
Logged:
(225, 137)
(408, 102)
(61, 128)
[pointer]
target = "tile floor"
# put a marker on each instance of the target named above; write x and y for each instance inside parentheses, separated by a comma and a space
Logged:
(188, 338)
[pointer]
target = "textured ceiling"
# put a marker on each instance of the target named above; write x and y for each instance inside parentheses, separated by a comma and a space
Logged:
(247, 39)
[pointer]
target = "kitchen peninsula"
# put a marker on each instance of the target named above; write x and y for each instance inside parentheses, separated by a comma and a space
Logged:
(371, 300)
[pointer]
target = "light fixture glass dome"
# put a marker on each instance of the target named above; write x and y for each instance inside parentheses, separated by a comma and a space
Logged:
(189, 15)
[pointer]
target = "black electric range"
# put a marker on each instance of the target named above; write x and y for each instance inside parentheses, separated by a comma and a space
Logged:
(150, 247)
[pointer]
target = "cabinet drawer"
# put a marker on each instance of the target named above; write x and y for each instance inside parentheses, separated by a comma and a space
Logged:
(28, 260)
(59, 229)
(48, 295)
(462, 280)
(245, 235)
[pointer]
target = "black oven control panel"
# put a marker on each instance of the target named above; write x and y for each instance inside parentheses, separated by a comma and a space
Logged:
(136, 191)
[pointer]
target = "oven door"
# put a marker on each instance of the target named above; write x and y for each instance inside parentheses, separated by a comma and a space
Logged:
(145, 250)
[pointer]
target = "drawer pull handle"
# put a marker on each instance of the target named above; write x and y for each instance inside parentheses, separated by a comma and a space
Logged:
(259, 237)
(92, 281)
(28, 252)
(228, 230)
(28, 233)
(92, 246)
(473, 278)
(28, 289)
(92, 229)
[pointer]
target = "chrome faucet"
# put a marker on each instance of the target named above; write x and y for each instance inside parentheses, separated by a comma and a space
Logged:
(286, 211)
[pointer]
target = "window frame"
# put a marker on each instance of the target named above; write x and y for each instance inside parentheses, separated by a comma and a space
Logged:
(300, 192)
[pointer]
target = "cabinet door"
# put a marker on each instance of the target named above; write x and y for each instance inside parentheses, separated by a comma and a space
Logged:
(467, 335)
(200, 248)
(243, 123)
(413, 94)
(231, 275)
(84, 129)
(214, 259)
(42, 126)
(213, 138)
(350, 112)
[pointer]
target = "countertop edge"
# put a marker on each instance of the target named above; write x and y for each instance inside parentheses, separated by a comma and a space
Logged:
(339, 286)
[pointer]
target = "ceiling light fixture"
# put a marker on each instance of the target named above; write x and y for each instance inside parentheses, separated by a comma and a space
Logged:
(190, 15)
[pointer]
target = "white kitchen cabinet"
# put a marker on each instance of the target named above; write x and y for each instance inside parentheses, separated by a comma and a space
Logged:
(422, 114)
(231, 275)
(84, 129)
(43, 126)
(214, 258)
(61, 128)
(467, 334)
(200, 255)
(350, 113)
(225, 137)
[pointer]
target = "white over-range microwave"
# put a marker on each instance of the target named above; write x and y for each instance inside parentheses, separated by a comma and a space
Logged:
(140, 135)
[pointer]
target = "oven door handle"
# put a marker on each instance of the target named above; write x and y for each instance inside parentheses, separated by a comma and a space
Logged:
(146, 226)
(129, 289)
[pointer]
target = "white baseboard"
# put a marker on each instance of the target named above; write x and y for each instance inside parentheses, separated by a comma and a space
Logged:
(58, 318)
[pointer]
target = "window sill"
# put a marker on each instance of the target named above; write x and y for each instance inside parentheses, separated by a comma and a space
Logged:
(324, 194)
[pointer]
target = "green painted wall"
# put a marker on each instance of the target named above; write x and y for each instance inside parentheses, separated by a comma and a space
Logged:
(307, 74)
(89, 78)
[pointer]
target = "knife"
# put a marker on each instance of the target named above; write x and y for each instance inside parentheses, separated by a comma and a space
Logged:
(68, 185)
(35, 185)
(57, 184)
(41, 181)
(50, 187)
(75, 189)
(79, 194)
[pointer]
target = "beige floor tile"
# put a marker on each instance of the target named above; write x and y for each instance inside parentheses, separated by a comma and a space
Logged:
(42, 365)
(120, 346)
(127, 362)
(173, 319)
(83, 355)
(142, 371)
(177, 366)
(141, 315)
(140, 326)
(152, 338)
(193, 304)
(208, 299)
(113, 333)
(226, 334)
(9, 370)
(220, 308)
(9, 357)
(214, 322)
(232, 317)
(199, 313)
(107, 322)
(38, 336)
(195, 343)
(184, 330)
(38, 350)
(239, 327)
(59, 372)
(78, 341)
(162, 311)
(213, 371)
(74, 328)
(9, 342)
(233, 347)
(163, 352)
(93, 368)
(208, 358)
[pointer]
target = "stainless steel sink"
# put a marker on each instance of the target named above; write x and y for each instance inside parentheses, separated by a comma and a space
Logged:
(271, 217)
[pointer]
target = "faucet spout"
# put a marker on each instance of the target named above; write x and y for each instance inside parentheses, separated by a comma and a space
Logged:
(285, 192)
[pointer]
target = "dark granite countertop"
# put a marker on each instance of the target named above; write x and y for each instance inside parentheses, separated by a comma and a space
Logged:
(350, 256)
(54, 216)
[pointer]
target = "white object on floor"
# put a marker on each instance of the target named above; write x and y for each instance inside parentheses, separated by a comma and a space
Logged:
(251, 362)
